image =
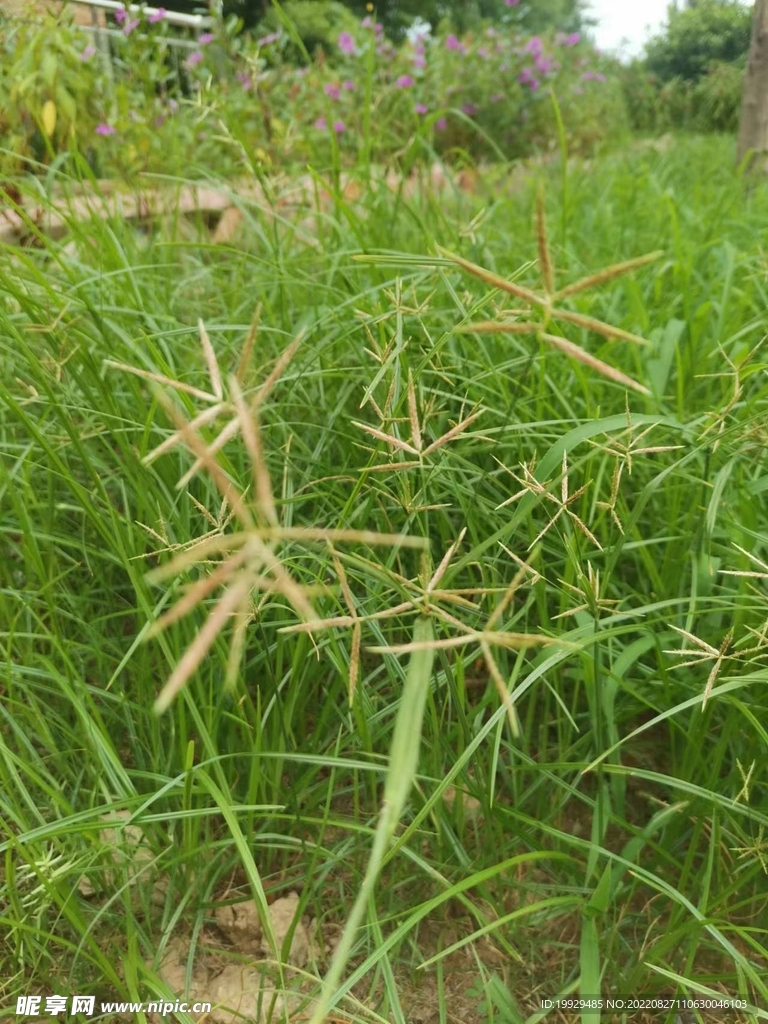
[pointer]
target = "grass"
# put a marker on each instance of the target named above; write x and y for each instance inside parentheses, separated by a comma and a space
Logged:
(584, 574)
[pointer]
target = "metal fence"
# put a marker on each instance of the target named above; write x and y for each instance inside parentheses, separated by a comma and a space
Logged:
(196, 22)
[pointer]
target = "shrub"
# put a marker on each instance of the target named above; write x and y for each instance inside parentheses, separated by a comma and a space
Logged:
(318, 23)
(478, 96)
(717, 98)
(714, 31)
(47, 93)
(641, 89)
(710, 104)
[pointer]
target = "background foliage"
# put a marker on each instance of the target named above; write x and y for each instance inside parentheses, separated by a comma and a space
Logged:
(696, 37)
(253, 99)
(607, 496)
(397, 15)
(692, 72)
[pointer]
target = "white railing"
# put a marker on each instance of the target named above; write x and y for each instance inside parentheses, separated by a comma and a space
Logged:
(195, 21)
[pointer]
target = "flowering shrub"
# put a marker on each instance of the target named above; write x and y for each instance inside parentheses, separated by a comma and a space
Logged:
(322, 25)
(479, 94)
(483, 95)
(47, 94)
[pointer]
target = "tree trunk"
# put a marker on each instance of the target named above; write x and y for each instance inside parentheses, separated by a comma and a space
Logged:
(753, 125)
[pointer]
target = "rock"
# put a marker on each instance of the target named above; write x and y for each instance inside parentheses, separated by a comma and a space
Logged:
(282, 914)
(240, 992)
(240, 923)
(173, 971)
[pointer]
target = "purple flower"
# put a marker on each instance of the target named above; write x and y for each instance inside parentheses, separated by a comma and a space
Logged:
(129, 26)
(88, 52)
(339, 127)
(419, 61)
(592, 76)
(321, 124)
(441, 123)
(205, 38)
(346, 43)
(534, 46)
(332, 90)
(193, 59)
(159, 121)
(573, 39)
(404, 82)
(245, 80)
(452, 43)
(543, 64)
(482, 52)
(367, 22)
(469, 109)
(348, 85)
(511, 3)
(268, 39)
(105, 129)
(527, 77)
(120, 15)
(421, 108)
(157, 15)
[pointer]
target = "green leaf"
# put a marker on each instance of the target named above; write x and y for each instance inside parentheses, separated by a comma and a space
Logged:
(589, 985)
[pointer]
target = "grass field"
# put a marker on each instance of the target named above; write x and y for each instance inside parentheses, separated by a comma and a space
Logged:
(557, 579)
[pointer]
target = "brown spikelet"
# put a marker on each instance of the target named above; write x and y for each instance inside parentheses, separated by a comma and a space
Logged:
(202, 643)
(593, 363)
(249, 429)
(198, 447)
(277, 370)
(606, 275)
(501, 327)
(449, 435)
(354, 660)
(210, 361)
(198, 591)
(501, 687)
(159, 378)
(518, 290)
(545, 263)
(250, 341)
(590, 324)
(413, 413)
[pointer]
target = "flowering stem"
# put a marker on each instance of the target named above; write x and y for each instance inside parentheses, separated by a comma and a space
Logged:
(564, 158)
